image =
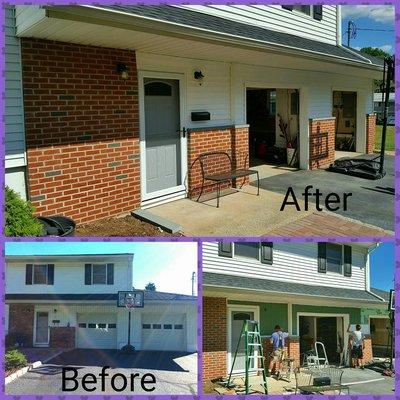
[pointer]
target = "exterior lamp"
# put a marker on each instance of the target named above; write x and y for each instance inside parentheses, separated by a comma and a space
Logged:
(122, 70)
(198, 75)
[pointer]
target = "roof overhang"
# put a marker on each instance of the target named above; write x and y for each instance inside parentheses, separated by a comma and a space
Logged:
(69, 257)
(119, 20)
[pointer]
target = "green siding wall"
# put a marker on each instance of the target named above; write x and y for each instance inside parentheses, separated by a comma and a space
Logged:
(366, 312)
(271, 314)
(354, 313)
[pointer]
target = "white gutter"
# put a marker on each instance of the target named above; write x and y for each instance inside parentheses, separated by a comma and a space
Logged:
(57, 11)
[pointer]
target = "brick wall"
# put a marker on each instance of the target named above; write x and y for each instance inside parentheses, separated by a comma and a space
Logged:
(370, 133)
(367, 349)
(292, 346)
(62, 337)
(233, 140)
(214, 337)
(82, 134)
(21, 317)
(322, 142)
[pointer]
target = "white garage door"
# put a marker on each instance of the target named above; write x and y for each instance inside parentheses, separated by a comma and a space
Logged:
(164, 332)
(97, 331)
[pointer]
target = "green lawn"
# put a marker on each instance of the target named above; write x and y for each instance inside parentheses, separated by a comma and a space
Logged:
(389, 138)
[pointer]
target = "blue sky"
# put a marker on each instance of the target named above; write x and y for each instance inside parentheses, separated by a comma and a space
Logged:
(370, 17)
(168, 265)
(382, 264)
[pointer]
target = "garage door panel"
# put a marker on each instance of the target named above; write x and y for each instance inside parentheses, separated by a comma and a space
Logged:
(163, 332)
(97, 331)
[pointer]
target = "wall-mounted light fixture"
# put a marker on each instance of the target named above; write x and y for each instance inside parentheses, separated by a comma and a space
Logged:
(198, 75)
(122, 70)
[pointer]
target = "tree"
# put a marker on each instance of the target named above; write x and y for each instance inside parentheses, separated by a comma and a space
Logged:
(151, 287)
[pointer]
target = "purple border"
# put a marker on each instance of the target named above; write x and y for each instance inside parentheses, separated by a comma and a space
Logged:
(141, 239)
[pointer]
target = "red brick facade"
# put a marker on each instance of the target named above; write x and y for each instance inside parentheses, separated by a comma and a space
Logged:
(214, 337)
(62, 337)
(21, 321)
(368, 349)
(370, 133)
(321, 142)
(82, 132)
(233, 140)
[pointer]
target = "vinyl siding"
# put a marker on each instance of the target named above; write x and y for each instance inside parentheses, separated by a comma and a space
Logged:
(291, 263)
(14, 111)
(69, 277)
(276, 18)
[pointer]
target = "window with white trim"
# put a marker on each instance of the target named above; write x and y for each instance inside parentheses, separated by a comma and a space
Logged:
(99, 274)
(334, 258)
(247, 250)
(303, 9)
(40, 274)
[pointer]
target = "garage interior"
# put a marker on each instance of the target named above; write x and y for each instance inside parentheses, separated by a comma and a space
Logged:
(268, 113)
(328, 330)
(345, 112)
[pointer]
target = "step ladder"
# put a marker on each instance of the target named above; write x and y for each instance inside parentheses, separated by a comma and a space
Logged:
(319, 358)
(253, 349)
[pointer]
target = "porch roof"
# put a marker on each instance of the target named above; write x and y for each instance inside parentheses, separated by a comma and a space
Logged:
(148, 296)
(204, 22)
(289, 288)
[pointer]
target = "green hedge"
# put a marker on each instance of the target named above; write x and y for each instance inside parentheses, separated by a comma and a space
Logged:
(19, 217)
(15, 360)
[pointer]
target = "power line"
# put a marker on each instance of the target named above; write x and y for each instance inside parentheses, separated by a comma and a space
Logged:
(352, 29)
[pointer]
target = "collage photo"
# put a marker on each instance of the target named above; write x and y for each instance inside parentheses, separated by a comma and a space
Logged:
(199, 199)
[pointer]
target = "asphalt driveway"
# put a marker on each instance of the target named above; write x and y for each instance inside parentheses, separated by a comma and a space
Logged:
(175, 372)
(372, 202)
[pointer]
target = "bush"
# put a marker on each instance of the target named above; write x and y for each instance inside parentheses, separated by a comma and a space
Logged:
(19, 216)
(15, 360)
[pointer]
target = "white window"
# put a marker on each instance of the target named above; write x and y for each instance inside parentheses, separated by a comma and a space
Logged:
(40, 274)
(99, 274)
(303, 9)
(334, 258)
(247, 250)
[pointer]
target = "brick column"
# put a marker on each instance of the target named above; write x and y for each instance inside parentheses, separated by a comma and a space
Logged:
(62, 337)
(321, 142)
(82, 129)
(370, 131)
(21, 320)
(367, 349)
(231, 139)
(292, 346)
(214, 337)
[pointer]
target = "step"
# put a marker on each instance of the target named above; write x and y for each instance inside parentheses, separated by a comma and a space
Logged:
(163, 223)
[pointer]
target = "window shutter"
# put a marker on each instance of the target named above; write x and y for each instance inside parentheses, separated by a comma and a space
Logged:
(50, 274)
(317, 12)
(225, 249)
(110, 274)
(267, 252)
(290, 8)
(347, 261)
(28, 274)
(322, 257)
(88, 274)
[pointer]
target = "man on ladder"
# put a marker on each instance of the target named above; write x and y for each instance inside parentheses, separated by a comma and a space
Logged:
(278, 342)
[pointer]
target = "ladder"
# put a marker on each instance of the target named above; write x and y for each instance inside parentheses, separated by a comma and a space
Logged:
(253, 351)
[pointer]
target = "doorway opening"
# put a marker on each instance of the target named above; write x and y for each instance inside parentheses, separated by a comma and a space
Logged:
(345, 112)
(273, 118)
(380, 336)
(328, 330)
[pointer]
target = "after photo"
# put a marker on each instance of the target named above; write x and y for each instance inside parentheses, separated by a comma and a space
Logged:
(298, 318)
(101, 318)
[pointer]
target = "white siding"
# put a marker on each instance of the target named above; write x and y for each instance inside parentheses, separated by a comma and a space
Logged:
(291, 263)
(69, 277)
(14, 111)
(212, 95)
(276, 18)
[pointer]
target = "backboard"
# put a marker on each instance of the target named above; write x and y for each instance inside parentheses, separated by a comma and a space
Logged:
(134, 297)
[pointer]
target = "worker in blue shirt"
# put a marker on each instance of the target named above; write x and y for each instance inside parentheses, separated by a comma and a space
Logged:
(278, 343)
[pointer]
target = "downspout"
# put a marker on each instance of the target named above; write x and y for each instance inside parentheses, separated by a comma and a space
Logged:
(339, 25)
(367, 272)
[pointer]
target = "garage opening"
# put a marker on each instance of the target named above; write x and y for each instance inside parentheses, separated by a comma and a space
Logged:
(273, 119)
(164, 332)
(328, 330)
(97, 331)
(345, 112)
(380, 336)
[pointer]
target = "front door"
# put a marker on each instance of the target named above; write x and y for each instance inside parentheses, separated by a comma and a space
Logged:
(237, 318)
(42, 328)
(162, 137)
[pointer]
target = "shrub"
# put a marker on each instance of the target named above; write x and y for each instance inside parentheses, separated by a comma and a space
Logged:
(15, 360)
(19, 216)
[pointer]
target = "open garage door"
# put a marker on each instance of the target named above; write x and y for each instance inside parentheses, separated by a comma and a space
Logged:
(97, 331)
(164, 332)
